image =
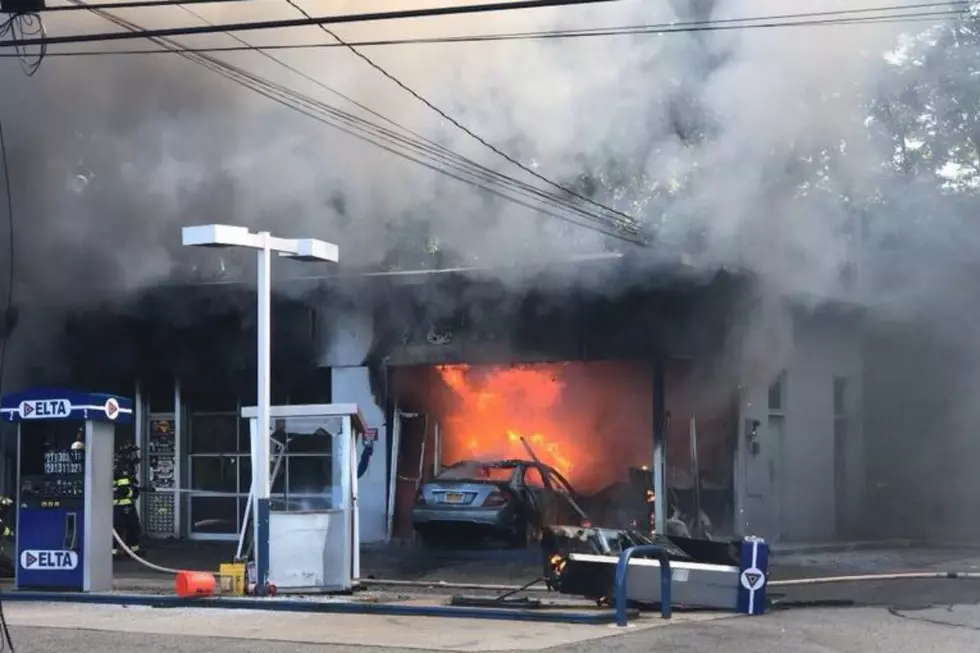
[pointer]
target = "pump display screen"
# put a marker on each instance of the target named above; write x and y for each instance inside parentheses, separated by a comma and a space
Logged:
(64, 462)
(49, 467)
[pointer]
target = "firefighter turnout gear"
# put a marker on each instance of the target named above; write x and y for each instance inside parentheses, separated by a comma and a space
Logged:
(125, 519)
(7, 512)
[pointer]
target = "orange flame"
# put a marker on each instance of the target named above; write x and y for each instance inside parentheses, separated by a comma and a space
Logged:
(573, 417)
(500, 409)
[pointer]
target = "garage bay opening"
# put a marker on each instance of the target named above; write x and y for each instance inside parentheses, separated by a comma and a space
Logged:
(489, 454)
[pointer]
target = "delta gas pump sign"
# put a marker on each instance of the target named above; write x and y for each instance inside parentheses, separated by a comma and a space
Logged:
(55, 560)
(45, 409)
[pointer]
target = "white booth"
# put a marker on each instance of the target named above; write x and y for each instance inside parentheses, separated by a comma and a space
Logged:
(314, 542)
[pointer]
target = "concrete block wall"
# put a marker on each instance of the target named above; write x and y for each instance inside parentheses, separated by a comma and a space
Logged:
(347, 338)
(787, 489)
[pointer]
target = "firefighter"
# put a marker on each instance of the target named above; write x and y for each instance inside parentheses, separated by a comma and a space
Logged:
(125, 519)
(7, 512)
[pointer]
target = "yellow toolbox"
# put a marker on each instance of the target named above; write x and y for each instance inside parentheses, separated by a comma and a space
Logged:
(231, 578)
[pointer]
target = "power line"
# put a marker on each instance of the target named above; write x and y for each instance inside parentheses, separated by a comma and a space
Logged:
(402, 14)
(21, 25)
(137, 4)
(439, 150)
(389, 141)
(635, 30)
(493, 148)
(8, 314)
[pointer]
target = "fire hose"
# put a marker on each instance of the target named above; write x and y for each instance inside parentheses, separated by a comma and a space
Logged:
(146, 563)
(795, 582)
(911, 575)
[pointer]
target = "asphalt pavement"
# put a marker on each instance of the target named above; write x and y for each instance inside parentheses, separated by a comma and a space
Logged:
(948, 629)
(886, 615)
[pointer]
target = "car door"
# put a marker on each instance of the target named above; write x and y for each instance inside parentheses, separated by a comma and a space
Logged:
(540, 506)
(561, 497)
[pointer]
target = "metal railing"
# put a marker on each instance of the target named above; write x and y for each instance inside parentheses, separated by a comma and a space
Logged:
(622, 571)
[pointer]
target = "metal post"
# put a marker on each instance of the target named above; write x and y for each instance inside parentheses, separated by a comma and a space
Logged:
(437, 452)
(139, 439)
(179, 423)
(659, 441)
(261, 452)
(622, 572)
(698, 529)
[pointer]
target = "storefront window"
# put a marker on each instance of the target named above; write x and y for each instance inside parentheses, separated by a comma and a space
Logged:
(215, 473)
(245, 476)
(215, 469)
(215, 433)
(214, 515)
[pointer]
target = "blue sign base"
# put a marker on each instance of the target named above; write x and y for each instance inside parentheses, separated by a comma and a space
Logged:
(753, 576)
(49, 548)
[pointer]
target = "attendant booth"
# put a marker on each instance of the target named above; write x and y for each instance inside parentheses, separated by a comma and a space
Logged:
(314, 539)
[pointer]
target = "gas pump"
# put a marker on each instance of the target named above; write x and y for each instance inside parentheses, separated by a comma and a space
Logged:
(64, 502)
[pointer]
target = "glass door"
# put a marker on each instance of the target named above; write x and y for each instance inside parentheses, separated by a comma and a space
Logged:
(215, 468)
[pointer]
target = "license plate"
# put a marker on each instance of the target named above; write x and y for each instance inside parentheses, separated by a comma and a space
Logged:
(454, 497)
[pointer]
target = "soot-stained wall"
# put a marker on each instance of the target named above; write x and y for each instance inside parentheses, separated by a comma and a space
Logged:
(205, 336)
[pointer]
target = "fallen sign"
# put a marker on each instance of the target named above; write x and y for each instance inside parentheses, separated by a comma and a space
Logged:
(699, 573)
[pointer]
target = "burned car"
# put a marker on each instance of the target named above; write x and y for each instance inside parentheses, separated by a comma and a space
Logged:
(509, 500)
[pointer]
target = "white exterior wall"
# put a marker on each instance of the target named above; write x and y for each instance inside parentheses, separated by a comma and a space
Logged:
(348, 339)
(787, 490)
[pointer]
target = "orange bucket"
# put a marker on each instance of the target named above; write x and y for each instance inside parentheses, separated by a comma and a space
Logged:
(195, 584)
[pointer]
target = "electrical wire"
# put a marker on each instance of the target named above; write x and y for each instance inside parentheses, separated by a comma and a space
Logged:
(5, 639)
(248, 46)
(431, 146)
(8, 308)
(401, 14)
(141, 4)
(441, 161)
(634, 30)
(25, 24)
(630, 220)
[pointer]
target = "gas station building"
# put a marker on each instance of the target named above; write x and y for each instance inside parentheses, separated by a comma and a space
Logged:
(789, 454)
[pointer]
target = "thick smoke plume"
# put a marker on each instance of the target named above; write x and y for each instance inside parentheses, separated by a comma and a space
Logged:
(694, 131)
(758, 149)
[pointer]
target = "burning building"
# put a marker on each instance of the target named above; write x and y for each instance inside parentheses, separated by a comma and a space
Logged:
(663, 385)
(676, 374)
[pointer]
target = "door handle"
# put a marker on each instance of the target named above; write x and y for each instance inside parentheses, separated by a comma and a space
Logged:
(71, 522)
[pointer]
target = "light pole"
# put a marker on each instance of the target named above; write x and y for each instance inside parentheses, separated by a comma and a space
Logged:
(305, 249)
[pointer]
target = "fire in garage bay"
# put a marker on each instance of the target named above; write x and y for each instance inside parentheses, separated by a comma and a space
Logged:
(590, 421)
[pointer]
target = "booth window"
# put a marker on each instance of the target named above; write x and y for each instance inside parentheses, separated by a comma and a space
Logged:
(221, 469)
(308, 462)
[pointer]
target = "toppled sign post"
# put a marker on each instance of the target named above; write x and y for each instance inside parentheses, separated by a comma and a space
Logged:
(601, 564)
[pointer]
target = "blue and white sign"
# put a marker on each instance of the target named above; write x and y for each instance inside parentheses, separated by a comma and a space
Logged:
(45, 409)
(60, 404)
(753, 576)
(48, 560)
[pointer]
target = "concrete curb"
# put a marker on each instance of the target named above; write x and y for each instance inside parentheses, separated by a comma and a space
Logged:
(591, 617)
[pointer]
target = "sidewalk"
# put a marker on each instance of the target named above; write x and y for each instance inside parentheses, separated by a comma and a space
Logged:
(420, 633)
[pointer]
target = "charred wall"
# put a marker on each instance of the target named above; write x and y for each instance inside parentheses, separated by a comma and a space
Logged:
(204, 335)
(455, 320)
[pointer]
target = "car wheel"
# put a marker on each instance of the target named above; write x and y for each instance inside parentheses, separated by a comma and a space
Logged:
(429, 540)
